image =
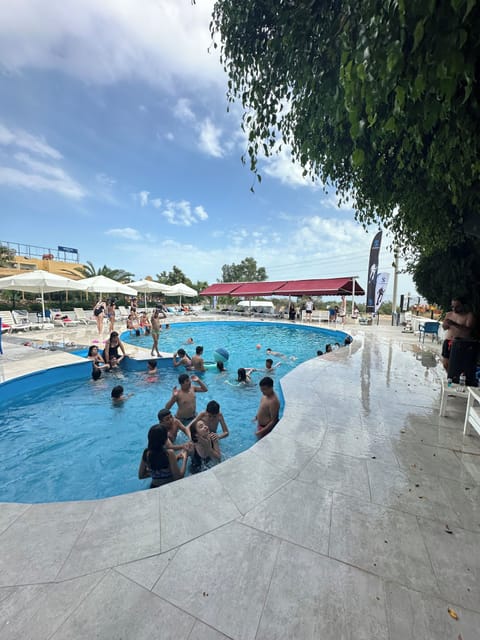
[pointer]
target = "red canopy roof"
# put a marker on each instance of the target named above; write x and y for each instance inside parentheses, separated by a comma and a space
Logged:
(318, 287)
(257, 288)
(220, 289)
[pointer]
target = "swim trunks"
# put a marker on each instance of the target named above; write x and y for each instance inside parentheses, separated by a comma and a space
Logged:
(446, 348)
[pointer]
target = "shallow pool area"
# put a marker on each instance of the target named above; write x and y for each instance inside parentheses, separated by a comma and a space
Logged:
(73, 444)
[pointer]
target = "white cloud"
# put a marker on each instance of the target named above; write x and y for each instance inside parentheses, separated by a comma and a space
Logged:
(25, 140)
(105, 180)
(126, 233)
(281, 167)
(143, 197)
(66, 187)
(112, 40)
(182, 110)
(181, 213)
(156, 202)
(209, 141)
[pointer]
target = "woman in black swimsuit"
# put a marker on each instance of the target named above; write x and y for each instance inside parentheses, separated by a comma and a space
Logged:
(111, 354)
(160, 463)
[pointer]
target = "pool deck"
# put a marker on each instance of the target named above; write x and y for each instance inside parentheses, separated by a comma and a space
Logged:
(357, 518)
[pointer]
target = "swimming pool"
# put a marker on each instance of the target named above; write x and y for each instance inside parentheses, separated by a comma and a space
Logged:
(65, 441)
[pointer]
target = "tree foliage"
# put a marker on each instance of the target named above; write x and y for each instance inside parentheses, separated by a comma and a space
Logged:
(174, 276)
(7, 256)
(378, 97)
(246, 271)
(115, 274)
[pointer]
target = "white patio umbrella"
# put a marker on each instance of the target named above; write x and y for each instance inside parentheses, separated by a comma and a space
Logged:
(182, 289)
(41, 282)
(102, 284)
(149, 286)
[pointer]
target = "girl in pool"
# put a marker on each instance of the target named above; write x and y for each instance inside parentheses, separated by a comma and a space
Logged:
(244, 375)
(110, 354)
(95, 357)
(206, 448)
(159, 463)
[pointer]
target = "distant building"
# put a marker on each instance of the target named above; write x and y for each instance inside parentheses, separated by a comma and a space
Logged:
(63, 261)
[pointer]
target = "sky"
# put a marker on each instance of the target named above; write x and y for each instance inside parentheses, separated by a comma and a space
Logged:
(115, 139)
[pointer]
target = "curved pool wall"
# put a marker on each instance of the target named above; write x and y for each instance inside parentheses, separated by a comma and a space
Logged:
(43, 378)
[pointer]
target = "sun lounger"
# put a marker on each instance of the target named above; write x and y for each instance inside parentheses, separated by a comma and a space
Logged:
(62, 319)
(9, 319)
(82, 317)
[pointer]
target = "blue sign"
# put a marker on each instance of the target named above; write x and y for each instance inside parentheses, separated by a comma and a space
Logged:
(68, 249)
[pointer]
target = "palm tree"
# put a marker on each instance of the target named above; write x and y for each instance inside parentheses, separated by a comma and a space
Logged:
(115, 274)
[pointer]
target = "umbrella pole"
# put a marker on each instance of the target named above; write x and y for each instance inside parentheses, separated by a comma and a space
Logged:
(43, 306)
(145, 305)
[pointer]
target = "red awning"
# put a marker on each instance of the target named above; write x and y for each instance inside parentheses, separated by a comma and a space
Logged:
(257, 288)
(319, 287)
(220, 289)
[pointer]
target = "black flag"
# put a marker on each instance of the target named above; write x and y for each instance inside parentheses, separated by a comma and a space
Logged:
(372, 272)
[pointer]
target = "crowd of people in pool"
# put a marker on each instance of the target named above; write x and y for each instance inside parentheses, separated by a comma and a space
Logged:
(164, 460)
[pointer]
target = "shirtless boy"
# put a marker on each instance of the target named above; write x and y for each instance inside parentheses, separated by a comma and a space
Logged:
(185, 397)
(212, 417)
(458, 323)
(198, 362)
(173, 426)
(182, 358)
(156, 327)
(267, 414)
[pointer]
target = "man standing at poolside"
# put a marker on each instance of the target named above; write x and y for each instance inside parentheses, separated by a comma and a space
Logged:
(185, 397)
(267, 414)
(458, 323)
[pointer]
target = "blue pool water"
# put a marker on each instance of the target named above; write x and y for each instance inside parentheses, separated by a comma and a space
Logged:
(65, 441)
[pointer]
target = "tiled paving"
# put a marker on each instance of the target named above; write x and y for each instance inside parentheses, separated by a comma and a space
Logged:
(357, 518)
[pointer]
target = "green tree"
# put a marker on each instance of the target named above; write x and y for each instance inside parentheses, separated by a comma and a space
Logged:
(379, 98)
(174, 276)
(115, 274)
(246, 271)
(6, 256)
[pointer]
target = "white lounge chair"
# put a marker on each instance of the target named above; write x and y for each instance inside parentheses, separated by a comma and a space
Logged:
(62, 319)
(82, 317)
(9, 319)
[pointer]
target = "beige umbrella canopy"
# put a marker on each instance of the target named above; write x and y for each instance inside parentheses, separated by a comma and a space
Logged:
(40, 282)
(182, 289)
(102, 284)
(149, 286)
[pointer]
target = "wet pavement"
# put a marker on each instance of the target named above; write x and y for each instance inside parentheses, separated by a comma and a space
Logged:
(358, 517)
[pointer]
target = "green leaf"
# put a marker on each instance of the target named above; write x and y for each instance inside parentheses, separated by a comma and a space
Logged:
(358, 157)
(418, 34)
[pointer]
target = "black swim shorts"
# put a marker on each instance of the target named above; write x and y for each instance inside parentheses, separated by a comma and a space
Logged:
(446, 348)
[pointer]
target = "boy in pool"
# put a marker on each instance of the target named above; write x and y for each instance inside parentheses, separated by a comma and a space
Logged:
(185, 397)
(180, 358)
(198, 362)
(267, 414)
(117, 395)
(212, 417)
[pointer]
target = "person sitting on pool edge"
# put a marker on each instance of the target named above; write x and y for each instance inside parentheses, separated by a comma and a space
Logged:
(269, 409)
(159, 463)
(212, 417)
(110, 353)
(185, 397)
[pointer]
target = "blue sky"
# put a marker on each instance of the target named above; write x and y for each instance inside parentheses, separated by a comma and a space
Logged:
(115, 139)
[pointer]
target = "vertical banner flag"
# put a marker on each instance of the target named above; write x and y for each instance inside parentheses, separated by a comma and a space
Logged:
(372, 272)
(381, 287)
